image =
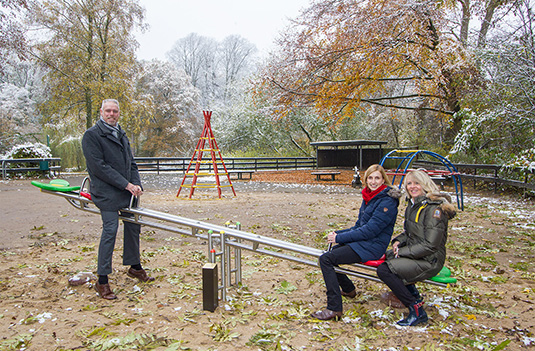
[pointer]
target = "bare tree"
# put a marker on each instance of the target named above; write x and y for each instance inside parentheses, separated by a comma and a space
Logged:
(235, 58)
(483, 12)
(213, 67)
(196, 55)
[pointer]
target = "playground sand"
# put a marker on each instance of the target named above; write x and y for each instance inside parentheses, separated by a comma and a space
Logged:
(45, 242)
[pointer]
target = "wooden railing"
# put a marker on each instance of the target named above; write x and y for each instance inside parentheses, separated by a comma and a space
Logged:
(25, 165)
(484, 173)
(474, 172)
(180, 164)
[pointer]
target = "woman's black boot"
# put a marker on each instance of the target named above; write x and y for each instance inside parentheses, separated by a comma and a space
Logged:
(416, 315)
(414, 292)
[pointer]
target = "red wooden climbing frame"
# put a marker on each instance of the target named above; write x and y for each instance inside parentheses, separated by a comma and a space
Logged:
(205, 167)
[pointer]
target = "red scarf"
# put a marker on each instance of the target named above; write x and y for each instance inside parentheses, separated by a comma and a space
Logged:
(367, 194)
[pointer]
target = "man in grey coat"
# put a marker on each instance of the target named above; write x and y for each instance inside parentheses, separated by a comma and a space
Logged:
(114, 179)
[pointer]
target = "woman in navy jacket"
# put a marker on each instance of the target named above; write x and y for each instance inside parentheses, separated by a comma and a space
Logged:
(367, 240)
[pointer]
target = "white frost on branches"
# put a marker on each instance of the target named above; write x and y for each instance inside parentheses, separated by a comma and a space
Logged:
(15, 103)
(470, 129)
(35, 150)
(525, 161)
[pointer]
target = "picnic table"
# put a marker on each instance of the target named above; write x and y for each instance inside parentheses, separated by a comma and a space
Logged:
(241, 172)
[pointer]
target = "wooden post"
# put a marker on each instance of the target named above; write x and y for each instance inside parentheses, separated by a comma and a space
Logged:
(209, 287)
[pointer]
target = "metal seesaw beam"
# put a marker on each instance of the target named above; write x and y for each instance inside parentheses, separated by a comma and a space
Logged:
(224, 237)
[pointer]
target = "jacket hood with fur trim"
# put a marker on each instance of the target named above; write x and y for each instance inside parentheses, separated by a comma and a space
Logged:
(445, 203)
(394, 192)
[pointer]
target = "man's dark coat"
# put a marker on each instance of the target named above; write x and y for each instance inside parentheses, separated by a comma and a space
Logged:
(111, 166)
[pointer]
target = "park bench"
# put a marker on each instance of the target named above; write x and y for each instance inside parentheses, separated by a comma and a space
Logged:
(440, 179)
(241, 172)
(45, 166)
(318, 174)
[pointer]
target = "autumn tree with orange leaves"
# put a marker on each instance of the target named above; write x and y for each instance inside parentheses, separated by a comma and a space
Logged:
(341, 56)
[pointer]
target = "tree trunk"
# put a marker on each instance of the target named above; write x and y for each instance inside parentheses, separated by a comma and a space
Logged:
(88, 109)
(465, 21)
(485, 25)
(87, 91)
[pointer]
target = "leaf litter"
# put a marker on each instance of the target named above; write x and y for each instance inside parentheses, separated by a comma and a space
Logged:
(481, 312)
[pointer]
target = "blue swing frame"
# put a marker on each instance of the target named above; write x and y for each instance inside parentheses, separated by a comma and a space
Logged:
(410, 155)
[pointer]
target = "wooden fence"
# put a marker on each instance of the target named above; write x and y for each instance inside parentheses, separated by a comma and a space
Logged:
(472, 172)
(24, 165)
(180, 164)
(484, 173)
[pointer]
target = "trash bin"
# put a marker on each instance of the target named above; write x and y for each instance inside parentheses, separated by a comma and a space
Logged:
(44, 166)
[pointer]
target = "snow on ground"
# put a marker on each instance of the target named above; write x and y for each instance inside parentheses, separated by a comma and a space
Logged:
(520, 210)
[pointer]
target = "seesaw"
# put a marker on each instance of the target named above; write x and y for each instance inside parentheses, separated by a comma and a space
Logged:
(224, 242)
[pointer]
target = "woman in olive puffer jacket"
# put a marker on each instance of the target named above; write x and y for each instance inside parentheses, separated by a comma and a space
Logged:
(419, 252)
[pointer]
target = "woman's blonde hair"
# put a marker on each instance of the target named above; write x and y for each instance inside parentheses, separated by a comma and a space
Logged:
(422, 178)
(376, 168)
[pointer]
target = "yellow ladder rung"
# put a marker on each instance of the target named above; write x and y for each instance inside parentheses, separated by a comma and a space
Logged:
(208, 161)
(209, 185)
(214, 186)
(200, 173)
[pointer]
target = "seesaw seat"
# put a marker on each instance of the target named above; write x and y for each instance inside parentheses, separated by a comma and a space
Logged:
(444, 276)
(56, 185)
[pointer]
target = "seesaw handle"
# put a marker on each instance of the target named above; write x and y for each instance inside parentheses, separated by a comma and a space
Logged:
(134, 201)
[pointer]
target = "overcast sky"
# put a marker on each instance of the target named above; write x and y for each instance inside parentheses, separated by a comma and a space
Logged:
(258, 21)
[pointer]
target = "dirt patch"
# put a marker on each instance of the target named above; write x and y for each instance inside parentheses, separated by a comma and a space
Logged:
(303, 177)
(46, 241)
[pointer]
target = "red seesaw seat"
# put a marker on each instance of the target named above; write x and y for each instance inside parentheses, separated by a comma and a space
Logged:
(375, 263)
(86, 195)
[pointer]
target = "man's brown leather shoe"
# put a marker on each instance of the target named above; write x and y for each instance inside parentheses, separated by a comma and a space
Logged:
(326, 315)
(350, 294)
(139, 274)
(104, 291)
